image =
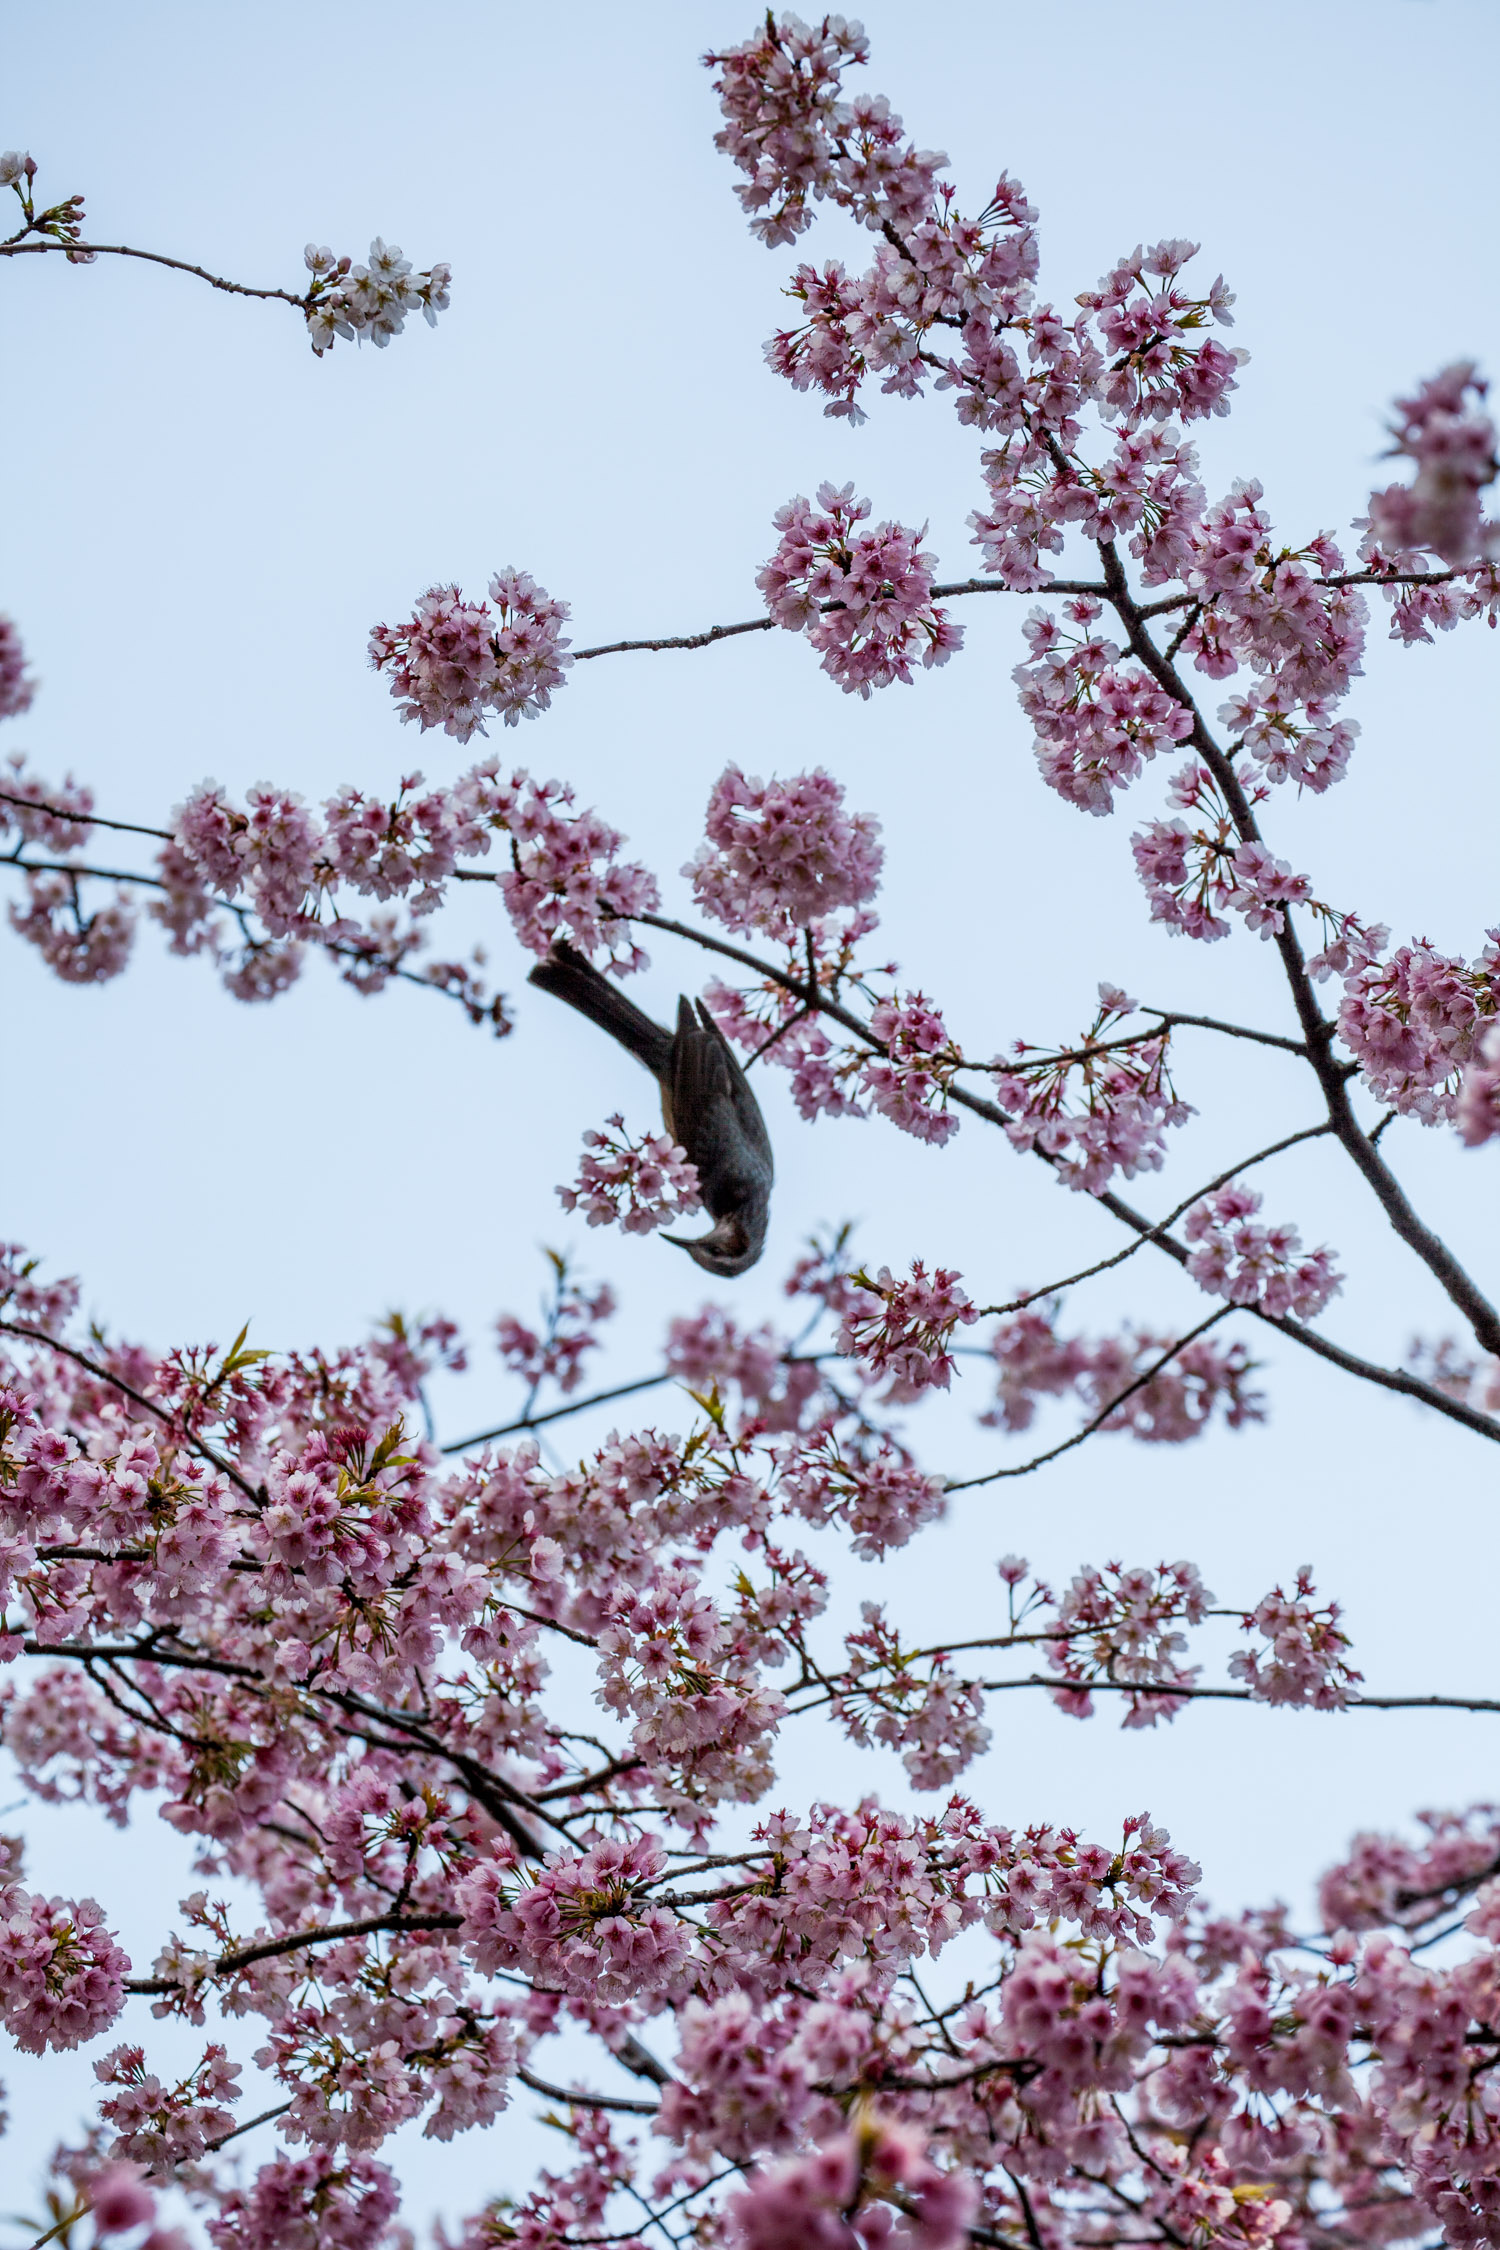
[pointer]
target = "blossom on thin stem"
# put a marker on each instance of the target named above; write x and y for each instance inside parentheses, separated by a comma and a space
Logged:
(1250, 1264)
(356, 301)
(1123, 1088)
(569, 1332)
(1305, 1663)
(902, 1329)
(637, 1184)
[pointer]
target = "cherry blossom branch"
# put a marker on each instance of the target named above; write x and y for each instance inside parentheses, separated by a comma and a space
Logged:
(622, 2102)
(557, 1413)
(1147, 1375)
(92, 1367)
(241, 1957)
(1148, 1230)
(78, 253)
(717, 633)
(498, 1796)
(87, 820)
(1318, 1032)
(1158, 1230)
(266, 2117)
(335, 948)
(1354, 1702)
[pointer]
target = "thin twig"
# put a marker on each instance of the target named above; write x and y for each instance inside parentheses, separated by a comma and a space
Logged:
(1024, 1468)
(1118, 1257)
(716, 633)
(556, 1413)
(587, 2101)
(242, 1956)
(84, 820)
(194, 1445)
(78, 252)
(1164, 1688)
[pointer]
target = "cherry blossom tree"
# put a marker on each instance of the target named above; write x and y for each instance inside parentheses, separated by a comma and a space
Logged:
(491, 1743)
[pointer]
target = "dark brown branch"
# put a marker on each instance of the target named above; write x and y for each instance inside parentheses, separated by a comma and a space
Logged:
(84, 820)
(587, 2101)
(1318, 1032)
(266, 2117)
(717, 633)
(241, 1957)
(1148, 1375)
(77, 251)
(194, 1445)
(1148, 1229)
(1156, 1233)
(556, 1413)
(1243, 1695)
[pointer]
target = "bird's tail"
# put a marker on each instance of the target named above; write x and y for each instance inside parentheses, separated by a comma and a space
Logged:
(567, 975)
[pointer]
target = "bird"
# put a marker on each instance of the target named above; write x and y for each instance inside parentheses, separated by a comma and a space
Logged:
(706, 1104)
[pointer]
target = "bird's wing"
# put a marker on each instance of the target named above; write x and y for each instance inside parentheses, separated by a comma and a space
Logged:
(747, 1108)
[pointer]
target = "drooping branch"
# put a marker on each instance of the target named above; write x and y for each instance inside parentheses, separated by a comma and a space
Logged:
(1097, 1422)
(1318, 1031)
(80, 253)
(296, 1941)
(150, 1406)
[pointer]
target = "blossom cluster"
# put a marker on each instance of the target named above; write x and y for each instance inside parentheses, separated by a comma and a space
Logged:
(1098, 716)
(1249, 1264)
(356, 301)
(863, 596)
(635, 1184)
(17, 686)
(903, 1329)
(1444, 430)
(569, 1332)
(59, 222)
(1194, 877)
(1414, 1022)
(1156, 1388)
(452, 662)
(781, 855)
(1305, 1662)
(1097, 1109)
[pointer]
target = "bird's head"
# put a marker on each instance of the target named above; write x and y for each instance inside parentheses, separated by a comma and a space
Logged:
(728, 1248)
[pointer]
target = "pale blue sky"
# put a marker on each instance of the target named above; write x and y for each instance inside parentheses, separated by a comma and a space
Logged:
(202, 522)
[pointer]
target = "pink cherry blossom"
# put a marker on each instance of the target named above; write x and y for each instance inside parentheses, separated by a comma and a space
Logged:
(453, 662)
(783, 854)
(1478, 1110)
(637, 1184)
(1305, 1662)
(1444, 430)
(902, 1329)
(17, 687)
(1250, 1264)
(863, 597)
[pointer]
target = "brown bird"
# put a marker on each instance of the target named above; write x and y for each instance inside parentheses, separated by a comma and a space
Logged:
(706, 1104)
